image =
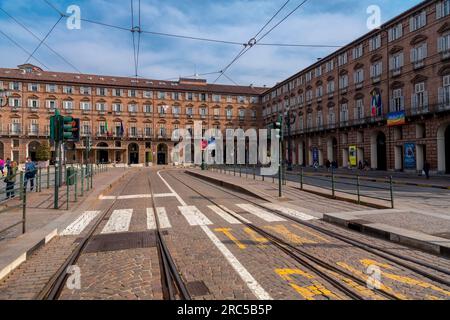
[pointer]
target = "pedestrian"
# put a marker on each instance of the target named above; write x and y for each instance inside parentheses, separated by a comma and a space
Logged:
(426, 169)
(30, 173)
(328, 164)
(2, 166)
(10, 179)
(360, 165)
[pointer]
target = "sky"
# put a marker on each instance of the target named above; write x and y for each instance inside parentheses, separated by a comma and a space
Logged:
(96, 49)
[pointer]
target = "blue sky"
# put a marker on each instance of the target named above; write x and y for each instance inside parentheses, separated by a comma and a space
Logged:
(96, 49)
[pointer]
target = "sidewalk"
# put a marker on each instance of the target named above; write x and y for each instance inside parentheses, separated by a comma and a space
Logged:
(43, 224)
(410, 179)
(425, 230)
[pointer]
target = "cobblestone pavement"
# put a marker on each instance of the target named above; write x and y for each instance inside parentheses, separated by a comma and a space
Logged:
(217, 256)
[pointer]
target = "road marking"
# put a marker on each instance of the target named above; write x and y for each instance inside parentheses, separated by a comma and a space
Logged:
(251, 282)
(76, 227)
(290, 212)
(308, 292)
(224, 215)
(315, 235)
(288, 235)
(102, 197)
(134, 196)
(151, 221)
(119, 221)
(256, 237)
(172, 190)
(260, 213)
(227, 232)
(164, 222)
(194, 217)
(137, 196)
(231, 212)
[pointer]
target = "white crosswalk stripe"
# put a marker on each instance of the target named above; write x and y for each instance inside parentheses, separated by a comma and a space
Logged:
(261, 213)
(119, 221)
(151, 222)
(164, 222)
(194, 217)
(288, 211)
(77, 227)
(221, 212)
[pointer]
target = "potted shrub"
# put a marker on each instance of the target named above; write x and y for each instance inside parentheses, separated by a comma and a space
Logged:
(43, 155)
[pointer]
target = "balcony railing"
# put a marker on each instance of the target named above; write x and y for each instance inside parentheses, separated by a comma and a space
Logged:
(33, 131)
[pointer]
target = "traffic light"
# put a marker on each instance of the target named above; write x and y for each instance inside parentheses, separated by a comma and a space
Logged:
(279, 127)
(54, 129)
(71, 129)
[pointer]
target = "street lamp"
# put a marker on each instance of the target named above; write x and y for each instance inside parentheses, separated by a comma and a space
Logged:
(4, 94)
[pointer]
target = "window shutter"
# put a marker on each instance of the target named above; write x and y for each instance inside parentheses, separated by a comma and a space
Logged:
(411, 24)
(400, 30)
(439, 10)
(401, 59)
(423, 18)
(447, 81)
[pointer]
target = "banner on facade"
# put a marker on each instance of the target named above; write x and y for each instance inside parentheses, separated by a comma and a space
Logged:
(396, 119)
(410, 156)
(376, 103)
(352, 156)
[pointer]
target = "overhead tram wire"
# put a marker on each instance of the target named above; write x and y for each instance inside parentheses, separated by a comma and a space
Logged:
(23, 49)
(252, 42)
(43, 40)
(139, 40)
(39, 39)
(133, 37)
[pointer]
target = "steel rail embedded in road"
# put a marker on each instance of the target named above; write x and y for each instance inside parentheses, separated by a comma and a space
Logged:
(54, 287)
(170, 278)
(383, 253)
(304, 258)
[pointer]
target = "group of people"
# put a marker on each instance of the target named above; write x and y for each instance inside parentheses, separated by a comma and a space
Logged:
(9, 177)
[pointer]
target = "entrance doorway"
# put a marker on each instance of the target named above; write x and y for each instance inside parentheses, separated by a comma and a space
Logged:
(2, 151)
(447, 150)
(381, 152)
(102, 155)
(133, 153)
(32, 150)
(162, 154)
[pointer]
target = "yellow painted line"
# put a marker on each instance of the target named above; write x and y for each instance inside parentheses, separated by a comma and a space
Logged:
(315, 235)
(227, 232)
(256, 237)
(363, 290)
(364, 277)
(405, 280)
(308, 292)
(288, 235)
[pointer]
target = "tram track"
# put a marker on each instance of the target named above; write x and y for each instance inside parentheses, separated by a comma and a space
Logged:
(381, 252)
(316, 265)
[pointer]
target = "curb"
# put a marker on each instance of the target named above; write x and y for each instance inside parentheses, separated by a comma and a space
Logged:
(42, 240)
(228, 185)
(418, 240)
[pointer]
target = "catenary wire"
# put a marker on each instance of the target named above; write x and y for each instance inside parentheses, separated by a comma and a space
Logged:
(43, 40)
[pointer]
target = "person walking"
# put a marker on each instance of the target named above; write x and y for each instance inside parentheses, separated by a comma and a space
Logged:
(30, 173)
(426, 169)
(2, 166)
(10, 179)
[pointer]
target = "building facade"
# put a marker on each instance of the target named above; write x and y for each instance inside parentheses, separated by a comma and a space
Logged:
(129, 120)
(383, 100)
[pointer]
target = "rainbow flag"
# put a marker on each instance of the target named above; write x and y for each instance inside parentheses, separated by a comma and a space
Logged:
(396, 118)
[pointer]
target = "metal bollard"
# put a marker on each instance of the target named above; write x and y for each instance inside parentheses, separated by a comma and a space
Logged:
(254, 172)
(332, 184)
(76, 185)
(48, 177)
(301, 178)
(24, 212)
(82, 182)
(40, 179)
(391, 183)
(21, 185)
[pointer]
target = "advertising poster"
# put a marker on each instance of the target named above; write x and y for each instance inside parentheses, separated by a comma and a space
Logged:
(410, 156)
(352, 156)
(315, 155)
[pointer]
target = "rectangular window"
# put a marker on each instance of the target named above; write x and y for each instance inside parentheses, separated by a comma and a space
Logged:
(148, 108)
(148, 94)
(133, 108)
(419, 53)
(329, 66)
(52, 88)
(229, 99)
(241, 99)
(318, 71)
(343, 81)
(161, 95)
(132, 93)
(358, 51)
(68, 90)
(359, 110)
(15, 86)
(359, 76)
(15, 102)
(319, 92)
(68, 105)
(375, 43)
(33, 87)
(397, 103)
(396, 62)
(101, 107)
(85, 106)
(331, 116)
(344, 112)
(376, 69)
(342, 59)
(175, 96)
(189, 96)
(101, 92)
(444, 43)
(418, 21)
(117, 92)
(51, 104)
(85, 90)
(395, 32)
(33, 103)
(309, 76)
(442, 9)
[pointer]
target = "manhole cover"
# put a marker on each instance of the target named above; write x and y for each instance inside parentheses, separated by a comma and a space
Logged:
(121, 241)
(197, 288)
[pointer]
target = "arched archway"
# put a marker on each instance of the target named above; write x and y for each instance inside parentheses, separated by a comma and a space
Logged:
(332, 149)
(162, 152)
(443, 146)
(133, 153)
(32, 150)
(381, 152)
(102, 154)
